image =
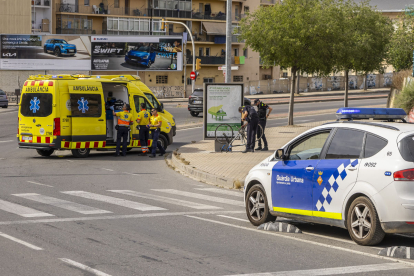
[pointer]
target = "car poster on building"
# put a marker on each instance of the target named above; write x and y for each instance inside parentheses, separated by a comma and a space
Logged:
(45, 52)
(221, 104)
(130, 53)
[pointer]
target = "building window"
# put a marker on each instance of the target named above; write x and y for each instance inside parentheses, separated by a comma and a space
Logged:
(189, 81)
(161, 79)
(200, 52)
(121, 26)
(284, 75)
(208, 80)
(86, 2)
(207, 52)
(238, 78)
(236, 52)
(246, 9)
(116, 4)
(245, 53)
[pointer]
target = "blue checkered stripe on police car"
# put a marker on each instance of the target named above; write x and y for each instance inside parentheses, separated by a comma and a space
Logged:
(333, 184)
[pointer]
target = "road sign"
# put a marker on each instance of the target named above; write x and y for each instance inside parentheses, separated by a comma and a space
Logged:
(192, 75)
(232, 68)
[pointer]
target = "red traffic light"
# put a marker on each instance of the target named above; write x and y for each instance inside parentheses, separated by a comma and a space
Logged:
(192, 75)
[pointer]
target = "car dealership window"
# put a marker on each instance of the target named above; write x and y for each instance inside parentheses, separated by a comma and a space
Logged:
(161, 79)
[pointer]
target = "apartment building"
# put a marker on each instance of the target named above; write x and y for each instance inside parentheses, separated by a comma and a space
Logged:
(15, 17)
(41, 16)
(205, 18)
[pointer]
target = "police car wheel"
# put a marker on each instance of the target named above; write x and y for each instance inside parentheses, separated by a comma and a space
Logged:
(257, 208)
(363, 223)
(81, 153)
(45, 152)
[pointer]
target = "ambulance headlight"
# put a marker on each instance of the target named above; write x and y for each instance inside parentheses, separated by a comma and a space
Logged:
(169, 124)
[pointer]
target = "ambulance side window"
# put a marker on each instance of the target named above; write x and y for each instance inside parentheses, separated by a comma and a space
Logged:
(138, 100)
(86, 105)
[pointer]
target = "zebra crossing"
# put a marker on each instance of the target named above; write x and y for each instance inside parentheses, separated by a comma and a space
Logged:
(201, 200)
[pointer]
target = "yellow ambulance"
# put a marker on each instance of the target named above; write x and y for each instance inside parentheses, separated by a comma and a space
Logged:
(67, 112)
(166, 116)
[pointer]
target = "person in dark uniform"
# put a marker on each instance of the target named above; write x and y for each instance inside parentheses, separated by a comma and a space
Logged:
(262, 109)
(249, 114)
(124, 120)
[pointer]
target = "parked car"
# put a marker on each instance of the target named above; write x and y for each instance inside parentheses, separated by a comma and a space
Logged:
(195, 102)
(142, 55)
(59, 47)
(4, 102)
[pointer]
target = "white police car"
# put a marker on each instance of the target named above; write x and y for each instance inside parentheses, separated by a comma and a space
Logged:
(357, 175)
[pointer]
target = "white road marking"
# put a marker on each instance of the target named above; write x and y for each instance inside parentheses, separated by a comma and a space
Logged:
(39, 184)
(200, 196)
(20, 241)
(107, 170)
(221, 191)
(21, 210)
(169, 200)
(304, 241)
(84, 267)
(115, 201)
(335, 270)
(64, 204)
(131, 173)
(70, 160)
(7, 141)
(223, 216)
(188, 128)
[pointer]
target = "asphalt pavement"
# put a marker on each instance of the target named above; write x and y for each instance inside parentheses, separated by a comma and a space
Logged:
(135, 216)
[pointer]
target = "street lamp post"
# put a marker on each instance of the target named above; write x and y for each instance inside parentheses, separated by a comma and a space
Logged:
(228, 42)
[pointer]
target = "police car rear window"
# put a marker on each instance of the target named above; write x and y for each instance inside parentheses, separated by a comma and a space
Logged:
(406, 147)
(36, 104)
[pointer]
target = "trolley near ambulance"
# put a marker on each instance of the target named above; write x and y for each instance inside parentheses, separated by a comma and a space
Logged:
(352, 174)
(67, 112)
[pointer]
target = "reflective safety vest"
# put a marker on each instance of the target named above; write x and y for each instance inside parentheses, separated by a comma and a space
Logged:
(124, 117)
(155, 120)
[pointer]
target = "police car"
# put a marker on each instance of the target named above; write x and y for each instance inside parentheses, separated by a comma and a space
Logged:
(354, 174)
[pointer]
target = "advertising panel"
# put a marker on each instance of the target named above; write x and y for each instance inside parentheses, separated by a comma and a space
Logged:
(124, 53)
(45, 52)
(221, 104)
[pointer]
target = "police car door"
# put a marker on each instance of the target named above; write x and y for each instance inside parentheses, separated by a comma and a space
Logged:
(292, 179)
(88, 114)
(337, 172)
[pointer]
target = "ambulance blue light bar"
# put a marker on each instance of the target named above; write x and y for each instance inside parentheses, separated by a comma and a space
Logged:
(368, 113)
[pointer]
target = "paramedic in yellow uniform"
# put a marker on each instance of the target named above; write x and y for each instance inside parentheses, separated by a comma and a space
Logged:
(124, 120)
(143, 120)
(155, 128)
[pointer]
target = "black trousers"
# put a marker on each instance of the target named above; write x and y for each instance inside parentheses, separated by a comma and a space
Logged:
(263, 124)
(122, 132)
(251, 133)
(144, 136)
(155, 144)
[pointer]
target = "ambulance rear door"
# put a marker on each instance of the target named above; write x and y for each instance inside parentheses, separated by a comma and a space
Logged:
(88, 111)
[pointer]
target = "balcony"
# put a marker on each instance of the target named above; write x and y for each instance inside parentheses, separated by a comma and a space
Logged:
(41, 3)
(208, 60)
(78, 31)
(268, 2)
(101, 9)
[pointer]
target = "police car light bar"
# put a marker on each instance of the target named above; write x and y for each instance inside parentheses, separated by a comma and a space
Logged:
(368, 113)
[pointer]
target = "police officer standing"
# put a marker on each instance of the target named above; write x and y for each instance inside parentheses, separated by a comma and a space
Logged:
(155, 124)
(261, 110)
(249, 114)
(143, 120)
(124, 120)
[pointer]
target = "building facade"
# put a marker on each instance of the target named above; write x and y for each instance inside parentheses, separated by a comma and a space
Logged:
(15, 17)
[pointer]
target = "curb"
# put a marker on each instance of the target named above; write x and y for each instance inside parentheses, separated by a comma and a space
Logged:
(188, 170)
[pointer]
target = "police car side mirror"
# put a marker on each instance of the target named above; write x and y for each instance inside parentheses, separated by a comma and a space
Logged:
(280, 154)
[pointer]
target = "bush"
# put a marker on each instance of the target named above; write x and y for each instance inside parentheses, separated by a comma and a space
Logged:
(398, 79)
(405, 99)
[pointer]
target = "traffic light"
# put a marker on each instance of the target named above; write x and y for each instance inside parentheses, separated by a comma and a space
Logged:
(162, 25)
(198, 64)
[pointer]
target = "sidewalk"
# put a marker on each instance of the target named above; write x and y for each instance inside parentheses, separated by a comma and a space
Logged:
(200, 162)
(301, 95)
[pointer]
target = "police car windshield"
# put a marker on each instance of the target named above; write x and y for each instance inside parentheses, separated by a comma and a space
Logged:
(406, 147)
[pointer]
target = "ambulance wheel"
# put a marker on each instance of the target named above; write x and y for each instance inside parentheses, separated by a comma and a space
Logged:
(163, 141)
(81, 153)
(363, 223)
(257, 208)
(45, 152)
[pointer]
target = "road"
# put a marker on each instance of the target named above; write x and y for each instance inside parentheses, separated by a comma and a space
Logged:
(135, 216)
